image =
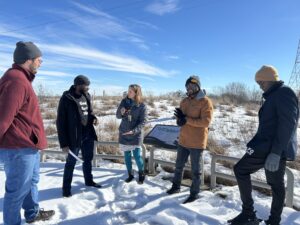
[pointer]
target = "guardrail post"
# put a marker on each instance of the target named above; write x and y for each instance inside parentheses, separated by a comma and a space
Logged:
(289, 188)
(151, 162)
(94, 162)
(146, 163)
(202, 171)
(213, 178)
(42, 156)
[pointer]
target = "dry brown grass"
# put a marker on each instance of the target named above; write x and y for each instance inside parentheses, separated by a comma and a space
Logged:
(53, 104)
(111, 126)
(295, 164)
(49, 115)
(250, 113)
(214, 148)
(150, 102)
(50, 130)
(163, 107)
(175, 102)
(153, 113)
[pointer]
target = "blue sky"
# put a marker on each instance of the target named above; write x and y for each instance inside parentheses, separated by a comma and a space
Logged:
(155, 43)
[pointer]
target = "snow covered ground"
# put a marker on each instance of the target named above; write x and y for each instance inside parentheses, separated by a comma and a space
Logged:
(121, 203)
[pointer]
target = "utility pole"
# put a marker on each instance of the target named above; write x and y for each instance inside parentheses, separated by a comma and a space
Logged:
(294, 81)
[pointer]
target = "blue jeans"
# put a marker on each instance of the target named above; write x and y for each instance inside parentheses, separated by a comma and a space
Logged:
(182, 157)
(87, 150)
(22, 176)
(138, 159)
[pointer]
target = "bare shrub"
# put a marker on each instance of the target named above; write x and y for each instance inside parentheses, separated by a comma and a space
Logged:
(111, 126)
(214, 147)
(250, 113)
(53, 104)
(295, 164)
(175, 102)
(247, 130)
(149, 101)
(163, 107)
(49, 115)
(153, 113)
(50, 130)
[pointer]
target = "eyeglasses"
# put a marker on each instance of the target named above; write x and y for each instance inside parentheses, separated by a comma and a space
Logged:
(39, 60)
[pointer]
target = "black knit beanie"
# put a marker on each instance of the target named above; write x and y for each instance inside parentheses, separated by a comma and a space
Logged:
(25, 51)
(81, 79)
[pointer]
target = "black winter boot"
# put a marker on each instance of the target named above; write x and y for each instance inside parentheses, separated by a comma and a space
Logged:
(245, 218)
(141, 177)
(271, 221)
(191, 198)
(173, 190)
(130, 177)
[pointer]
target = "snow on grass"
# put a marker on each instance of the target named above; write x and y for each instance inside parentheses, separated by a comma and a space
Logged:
(119, 203)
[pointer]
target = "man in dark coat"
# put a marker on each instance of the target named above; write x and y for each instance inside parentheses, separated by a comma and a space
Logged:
(75, 120)
(274, 143)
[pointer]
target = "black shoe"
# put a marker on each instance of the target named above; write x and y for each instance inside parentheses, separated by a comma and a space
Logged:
(141, 177)
(173, 190)
(129, 178)
(245, 218)
(93, 184)
(272, 222)
(42, 216)
(191, 198)
(66, 194)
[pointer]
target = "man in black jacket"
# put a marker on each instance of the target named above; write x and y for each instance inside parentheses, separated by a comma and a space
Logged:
(274, 143)
(75, 120)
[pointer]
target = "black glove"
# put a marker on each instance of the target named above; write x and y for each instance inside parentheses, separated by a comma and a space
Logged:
(181, 121)
(178, 113)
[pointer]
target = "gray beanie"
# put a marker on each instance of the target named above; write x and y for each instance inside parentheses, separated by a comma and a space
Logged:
(81, 79)
(25, 51)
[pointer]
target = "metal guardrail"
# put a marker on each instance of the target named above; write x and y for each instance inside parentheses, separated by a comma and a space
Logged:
(261, 184)
(96, 155)
(153, 161)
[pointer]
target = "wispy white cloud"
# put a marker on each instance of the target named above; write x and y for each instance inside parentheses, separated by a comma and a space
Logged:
(10, 31)
(54, 73)
(95, 23)
(162, 7)
(172, 57)
(96, 59)
(144, 24)
(142, 77)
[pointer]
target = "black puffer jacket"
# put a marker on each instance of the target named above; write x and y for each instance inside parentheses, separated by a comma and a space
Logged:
(278, 122)
(138, 114)
(68, 123)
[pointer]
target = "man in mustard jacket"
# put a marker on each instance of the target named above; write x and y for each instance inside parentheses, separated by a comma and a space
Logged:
(193, 116)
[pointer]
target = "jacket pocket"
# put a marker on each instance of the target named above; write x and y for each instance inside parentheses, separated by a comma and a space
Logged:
(261, 147)
(34, 138)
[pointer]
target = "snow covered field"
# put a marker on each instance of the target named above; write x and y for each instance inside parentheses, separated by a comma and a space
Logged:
(121, 203)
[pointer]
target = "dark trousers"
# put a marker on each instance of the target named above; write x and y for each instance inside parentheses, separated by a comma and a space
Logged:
(87, 150)
(182, 157)
(250, 164)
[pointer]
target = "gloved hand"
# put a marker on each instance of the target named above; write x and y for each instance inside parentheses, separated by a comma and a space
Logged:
(181, 122)
(178, 113)
(272, 162)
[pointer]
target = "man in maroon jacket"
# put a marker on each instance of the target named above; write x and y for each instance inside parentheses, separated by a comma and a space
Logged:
(22, 135)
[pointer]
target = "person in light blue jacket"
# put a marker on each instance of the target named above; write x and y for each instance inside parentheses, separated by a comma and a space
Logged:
(133, 113)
